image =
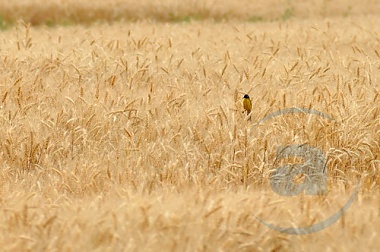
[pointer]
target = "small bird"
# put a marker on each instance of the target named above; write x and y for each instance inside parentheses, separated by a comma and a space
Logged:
(247, 104)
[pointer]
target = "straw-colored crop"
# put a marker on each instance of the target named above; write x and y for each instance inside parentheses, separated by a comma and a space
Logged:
(128, 134)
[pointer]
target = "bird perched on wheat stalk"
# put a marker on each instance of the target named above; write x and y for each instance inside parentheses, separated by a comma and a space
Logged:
(247, 105)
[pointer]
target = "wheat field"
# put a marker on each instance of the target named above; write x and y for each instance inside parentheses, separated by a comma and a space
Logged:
(122, 126)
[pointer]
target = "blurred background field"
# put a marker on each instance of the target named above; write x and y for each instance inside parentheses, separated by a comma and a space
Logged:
(66, 12)
(121, 123)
